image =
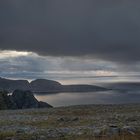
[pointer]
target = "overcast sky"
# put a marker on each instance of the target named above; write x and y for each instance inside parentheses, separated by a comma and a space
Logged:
(69, 37)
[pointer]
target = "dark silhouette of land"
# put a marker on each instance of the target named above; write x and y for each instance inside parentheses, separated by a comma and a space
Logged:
(45, 86)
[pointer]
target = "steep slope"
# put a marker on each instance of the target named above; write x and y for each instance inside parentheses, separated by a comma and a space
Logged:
(11, 85)
(26, 99)
(3, 104)
(20, 100)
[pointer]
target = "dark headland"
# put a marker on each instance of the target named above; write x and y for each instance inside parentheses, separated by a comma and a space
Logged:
(20, 100)
(45, 86)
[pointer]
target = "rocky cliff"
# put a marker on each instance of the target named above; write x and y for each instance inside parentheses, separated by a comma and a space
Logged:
(20, 100)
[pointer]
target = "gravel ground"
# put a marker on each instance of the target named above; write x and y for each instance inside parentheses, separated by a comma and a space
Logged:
(66, 122)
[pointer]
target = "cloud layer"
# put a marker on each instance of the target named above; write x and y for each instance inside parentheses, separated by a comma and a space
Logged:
(31, 66)
(107, 30)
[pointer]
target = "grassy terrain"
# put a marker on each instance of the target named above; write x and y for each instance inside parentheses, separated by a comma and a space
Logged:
(90, 122)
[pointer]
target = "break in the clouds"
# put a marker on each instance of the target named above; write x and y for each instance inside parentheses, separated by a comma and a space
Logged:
(100, 29)
(26, 65)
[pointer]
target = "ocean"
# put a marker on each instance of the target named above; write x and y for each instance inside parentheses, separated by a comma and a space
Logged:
(125, 90)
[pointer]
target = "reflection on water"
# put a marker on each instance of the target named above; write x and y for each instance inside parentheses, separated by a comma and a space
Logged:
(107, 97)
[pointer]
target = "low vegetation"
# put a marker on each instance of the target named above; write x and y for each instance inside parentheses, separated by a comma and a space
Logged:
(90, 122)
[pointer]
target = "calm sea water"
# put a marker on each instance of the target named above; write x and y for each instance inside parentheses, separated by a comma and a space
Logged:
(106, 97)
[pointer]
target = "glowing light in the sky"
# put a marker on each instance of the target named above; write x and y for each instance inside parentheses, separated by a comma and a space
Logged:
(6, 54)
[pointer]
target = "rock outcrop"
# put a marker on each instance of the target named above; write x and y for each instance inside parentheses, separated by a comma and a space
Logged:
(3, 98)
(20, 100)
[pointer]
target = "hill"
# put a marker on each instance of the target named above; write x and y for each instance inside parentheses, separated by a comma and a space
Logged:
(11, 85)
(45, 86)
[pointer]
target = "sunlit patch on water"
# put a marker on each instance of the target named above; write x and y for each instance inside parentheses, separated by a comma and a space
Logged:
(107, 97)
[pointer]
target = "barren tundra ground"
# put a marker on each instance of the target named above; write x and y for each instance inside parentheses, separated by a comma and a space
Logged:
(88, 122)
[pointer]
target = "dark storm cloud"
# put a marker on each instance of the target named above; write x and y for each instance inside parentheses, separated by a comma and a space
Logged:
(107, 30)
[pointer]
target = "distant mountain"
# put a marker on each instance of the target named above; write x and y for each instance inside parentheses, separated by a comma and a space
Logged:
(11, 85)
(20, 100)
(82, 88)
(124, 86)
(45, 86)
(49, 86)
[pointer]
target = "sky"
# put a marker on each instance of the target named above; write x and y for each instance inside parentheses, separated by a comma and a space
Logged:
(69, 38)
